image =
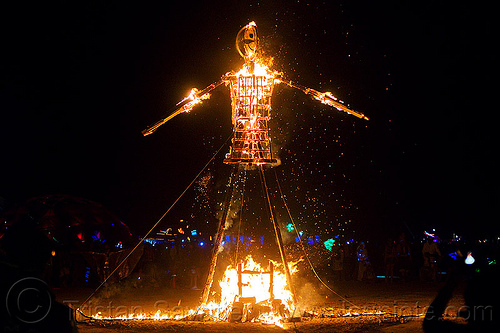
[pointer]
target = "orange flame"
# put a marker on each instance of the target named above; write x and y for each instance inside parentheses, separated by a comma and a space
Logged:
(194, 100)
(255, 285)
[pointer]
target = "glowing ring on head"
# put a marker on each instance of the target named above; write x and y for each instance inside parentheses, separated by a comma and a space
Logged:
(247, 41)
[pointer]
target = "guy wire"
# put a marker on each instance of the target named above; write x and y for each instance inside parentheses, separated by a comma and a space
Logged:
(302, 245)
(241, 219)
(154, 226)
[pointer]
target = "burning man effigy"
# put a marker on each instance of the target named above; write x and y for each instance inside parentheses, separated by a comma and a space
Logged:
(251, 89)
(249, 291)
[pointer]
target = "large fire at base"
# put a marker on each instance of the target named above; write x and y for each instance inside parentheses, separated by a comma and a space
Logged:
(249, 293)
(256, 294)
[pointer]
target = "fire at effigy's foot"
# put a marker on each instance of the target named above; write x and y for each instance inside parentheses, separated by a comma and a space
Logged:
(249, 293)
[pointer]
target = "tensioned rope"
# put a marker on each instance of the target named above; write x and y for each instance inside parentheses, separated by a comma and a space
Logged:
(303, 247)
(241, 219)
(277, 233)
(154, 226)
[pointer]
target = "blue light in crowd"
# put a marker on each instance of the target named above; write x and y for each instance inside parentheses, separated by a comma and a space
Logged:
(194, 232)
(87, 274)
(201, 243)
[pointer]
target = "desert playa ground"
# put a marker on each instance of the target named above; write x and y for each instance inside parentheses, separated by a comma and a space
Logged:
(402, 304)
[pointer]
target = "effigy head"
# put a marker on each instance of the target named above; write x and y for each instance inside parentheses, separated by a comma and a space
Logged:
(247, 41)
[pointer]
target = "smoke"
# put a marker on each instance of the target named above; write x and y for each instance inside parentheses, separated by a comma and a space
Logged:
(308, 295)
(233, 213)
(288, 237)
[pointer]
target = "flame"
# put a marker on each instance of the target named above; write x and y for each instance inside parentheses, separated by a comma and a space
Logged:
(251, 90)
(158, 315)
(255, 285)
(273, 308)
(194, 99)
(259, 69)
(258, 285)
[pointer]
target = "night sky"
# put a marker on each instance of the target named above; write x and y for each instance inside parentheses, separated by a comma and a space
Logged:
(80, 80)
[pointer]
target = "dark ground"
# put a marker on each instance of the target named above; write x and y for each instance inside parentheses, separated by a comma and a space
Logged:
(403, 299)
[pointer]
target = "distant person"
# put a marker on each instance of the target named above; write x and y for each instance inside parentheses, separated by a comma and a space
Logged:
(193, 254)
(150, 269)
(403, 257)
(194, 276)
(389, 259)
(363, 261)
(349, 261)
(337, 262)
(431, 254)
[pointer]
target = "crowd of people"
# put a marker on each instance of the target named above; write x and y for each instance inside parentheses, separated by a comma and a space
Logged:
(428, 259)
(451, 262)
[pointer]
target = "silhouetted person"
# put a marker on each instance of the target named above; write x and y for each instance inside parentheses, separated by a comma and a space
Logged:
(431, 254)
(403, 253)
(481, 296)
(363, 261)
(389, 259)
(337, 262)
(27, 303)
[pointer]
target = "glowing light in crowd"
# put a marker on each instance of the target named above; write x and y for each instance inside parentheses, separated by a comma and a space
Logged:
(470, 259)
(329, 244)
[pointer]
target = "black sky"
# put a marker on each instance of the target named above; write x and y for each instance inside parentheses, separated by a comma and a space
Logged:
(80, 80)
